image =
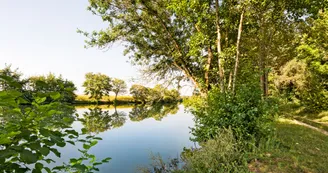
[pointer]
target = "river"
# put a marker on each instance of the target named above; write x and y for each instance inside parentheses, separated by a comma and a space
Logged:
(131, 135)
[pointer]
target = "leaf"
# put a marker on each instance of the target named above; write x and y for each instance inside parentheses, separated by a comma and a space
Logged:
(47, 169)
(61, 144)
(49, 161)
(82, 140)
(49, 143)
(72, 132)
(22, 100)
(36, 171)
(84, 131)
(93, 143)
(80, 167)
(40, 100)
(88, 137)
(44, 151)
(106, 160)
(86, 146)
(45, 132)
(67, 119)
(7, 153)
(71, 142)
(55, 151)
(11, 81)
(93, 158)
(34, 146)
(73, 161)
(96, 169)
(39, 166)
(4, 140)
(97, 138)
(55, 95)
(97, 163)
(28, 157)
(71, 136)
(58, 168)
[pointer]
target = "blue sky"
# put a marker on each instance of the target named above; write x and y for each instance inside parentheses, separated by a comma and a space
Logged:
(40, 36)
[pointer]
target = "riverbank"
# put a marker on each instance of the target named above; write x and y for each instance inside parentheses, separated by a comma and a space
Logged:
(84, 99)
(107, 100)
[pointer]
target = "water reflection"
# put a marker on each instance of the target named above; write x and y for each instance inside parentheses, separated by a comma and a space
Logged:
(157, 111)
(97, 119)
(131, 133)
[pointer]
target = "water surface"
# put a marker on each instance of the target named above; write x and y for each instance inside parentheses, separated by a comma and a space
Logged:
(131, 134)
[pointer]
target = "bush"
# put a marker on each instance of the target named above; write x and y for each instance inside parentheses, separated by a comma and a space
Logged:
(221, 154)
(245, 112)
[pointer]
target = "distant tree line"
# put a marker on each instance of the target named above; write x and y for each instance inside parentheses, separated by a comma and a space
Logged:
(99, 85)
(154, 95)
(96, 86)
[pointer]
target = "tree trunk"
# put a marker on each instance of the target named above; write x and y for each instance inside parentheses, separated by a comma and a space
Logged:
(221, 74)
(208, 66)
(115, 98)
(264, 75)
(230, 80)
(240, 29)
(262, 58)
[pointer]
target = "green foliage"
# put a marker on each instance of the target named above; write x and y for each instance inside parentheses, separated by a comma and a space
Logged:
(186, 39)
(118, 86)
(97, 85)
(51, 83)
(221, 154)
(79, 164)
(314, 50)
(30, 133)
(305, 78)
(293, 79)
(139, 93)
(154, 95)
(171, 95)
(12, 80)
(245, 113)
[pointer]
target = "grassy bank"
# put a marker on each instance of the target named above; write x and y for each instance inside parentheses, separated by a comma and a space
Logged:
(301, 149)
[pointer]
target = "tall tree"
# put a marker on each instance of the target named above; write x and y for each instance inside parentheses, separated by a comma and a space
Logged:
(139, 93)
(97, 85)
(118, 86)
(190, 37)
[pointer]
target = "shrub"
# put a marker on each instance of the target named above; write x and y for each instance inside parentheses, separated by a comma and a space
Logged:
(221, 154)
(245, 112)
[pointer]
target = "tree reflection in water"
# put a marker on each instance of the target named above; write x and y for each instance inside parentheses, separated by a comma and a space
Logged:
(97, 120)
(156, 111)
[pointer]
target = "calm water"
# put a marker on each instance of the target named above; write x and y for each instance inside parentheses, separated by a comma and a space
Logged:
(131, 135)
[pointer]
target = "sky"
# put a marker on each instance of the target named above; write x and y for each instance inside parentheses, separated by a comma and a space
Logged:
(39, 37)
